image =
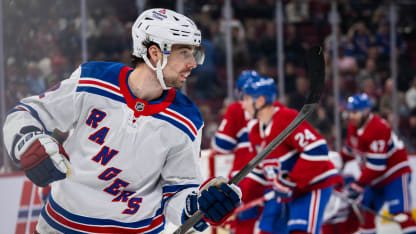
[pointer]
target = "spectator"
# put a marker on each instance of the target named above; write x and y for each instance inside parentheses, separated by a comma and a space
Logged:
(386, 105)
(360, 39)
(297, 11)
(35, 81)
(369, 72)
(411, 95)
(382, 39)
(297, 99)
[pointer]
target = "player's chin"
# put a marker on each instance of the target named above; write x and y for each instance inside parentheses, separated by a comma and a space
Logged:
(178, 84)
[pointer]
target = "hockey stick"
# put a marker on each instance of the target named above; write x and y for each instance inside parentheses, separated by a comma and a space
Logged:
(256, 202)
(396, 219)
(316, 73)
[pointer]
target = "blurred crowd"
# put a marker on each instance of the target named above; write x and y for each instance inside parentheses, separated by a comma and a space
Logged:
(43, 46)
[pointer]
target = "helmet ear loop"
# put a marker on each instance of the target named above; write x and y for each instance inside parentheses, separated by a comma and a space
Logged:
(158, 69)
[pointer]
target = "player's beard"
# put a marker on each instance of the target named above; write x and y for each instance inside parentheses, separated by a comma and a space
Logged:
(175, 82)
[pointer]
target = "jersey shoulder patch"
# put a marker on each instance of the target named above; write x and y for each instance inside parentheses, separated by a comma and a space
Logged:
(183, 114)
(101, 78)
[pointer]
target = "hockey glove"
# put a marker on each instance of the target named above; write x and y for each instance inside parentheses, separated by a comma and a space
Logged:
(283, 187)
(42, 158)
(354, 190)
(190, 208)
(218, 199)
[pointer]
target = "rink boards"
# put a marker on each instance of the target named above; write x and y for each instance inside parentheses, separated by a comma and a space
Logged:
(20, 203)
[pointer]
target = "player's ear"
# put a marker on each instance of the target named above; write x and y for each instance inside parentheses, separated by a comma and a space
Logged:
(260, 101)
(154, 54)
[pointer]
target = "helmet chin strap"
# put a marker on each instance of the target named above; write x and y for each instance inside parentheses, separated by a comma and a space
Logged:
(158, 69)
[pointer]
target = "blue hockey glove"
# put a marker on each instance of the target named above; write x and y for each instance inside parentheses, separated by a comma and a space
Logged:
(218, 199)
(190, 208)
(283, 187)
(42, 158)
(354, 190)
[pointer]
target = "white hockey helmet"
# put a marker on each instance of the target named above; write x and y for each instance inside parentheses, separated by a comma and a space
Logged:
(165, 28)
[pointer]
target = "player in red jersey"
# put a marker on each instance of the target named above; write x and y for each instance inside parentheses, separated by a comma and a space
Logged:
(232, 137)
(298, 170)
(385, 170)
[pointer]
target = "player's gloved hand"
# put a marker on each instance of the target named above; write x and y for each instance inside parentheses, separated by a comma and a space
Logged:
(218, 199)
(354, 190)
(42, 158)
(283, 187)
(190, 208)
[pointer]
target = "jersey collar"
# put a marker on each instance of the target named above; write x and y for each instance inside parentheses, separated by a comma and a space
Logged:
(140, 106)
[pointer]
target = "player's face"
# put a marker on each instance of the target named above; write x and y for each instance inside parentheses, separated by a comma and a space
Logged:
(248, 104)
(356, 117)
(180, 63)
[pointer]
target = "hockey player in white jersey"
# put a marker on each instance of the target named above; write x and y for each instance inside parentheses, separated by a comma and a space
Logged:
(131, 161)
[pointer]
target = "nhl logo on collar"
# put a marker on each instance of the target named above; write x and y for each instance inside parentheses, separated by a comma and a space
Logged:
(139, 106)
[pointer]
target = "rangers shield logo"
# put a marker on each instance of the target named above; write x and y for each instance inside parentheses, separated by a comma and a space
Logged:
(139, 106)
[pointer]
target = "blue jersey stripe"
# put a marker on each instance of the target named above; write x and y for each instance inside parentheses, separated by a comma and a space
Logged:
(96, 221)
(56, 225)
(106, 71)
(224, 144)
(288, 164)
(177, 124)
(319, 150)
(101, 93)
(183, 105)
(33, 112)
(243, 137)
(377, 161)
(176, 188)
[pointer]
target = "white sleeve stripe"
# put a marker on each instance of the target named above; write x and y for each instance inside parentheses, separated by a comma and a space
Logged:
(258, 179)
(287, 155)
(186, 120)
(100, 81)
(243, 145)
(314, 158)
(323, 175)
(391, 171)
(375, 167)
(219, 149)
(241, 132)
(102, 88)
(314, 144)
(376, 155)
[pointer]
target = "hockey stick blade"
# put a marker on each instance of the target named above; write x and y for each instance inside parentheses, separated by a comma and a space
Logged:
(396, 219)
(315, 64)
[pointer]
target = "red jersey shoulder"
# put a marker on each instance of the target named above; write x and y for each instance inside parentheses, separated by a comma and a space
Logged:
(284, 115)
(377, 128)
(234, 111)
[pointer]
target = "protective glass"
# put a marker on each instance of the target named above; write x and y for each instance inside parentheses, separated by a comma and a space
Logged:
(199, 54)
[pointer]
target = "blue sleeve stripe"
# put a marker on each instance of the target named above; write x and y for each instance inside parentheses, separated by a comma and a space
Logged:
(177, 124)
(224, 144)
(33, 112)
(176, 188)
(319, 150)
(183, 105)
(377, 161)
(243, 137)
(101, 93)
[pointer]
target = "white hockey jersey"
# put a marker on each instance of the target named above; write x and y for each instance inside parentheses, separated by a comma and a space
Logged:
(133, 162)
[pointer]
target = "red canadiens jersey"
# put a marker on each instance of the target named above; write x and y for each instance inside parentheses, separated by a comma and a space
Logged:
(381, 154)
(303, 154)
(232, 136)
